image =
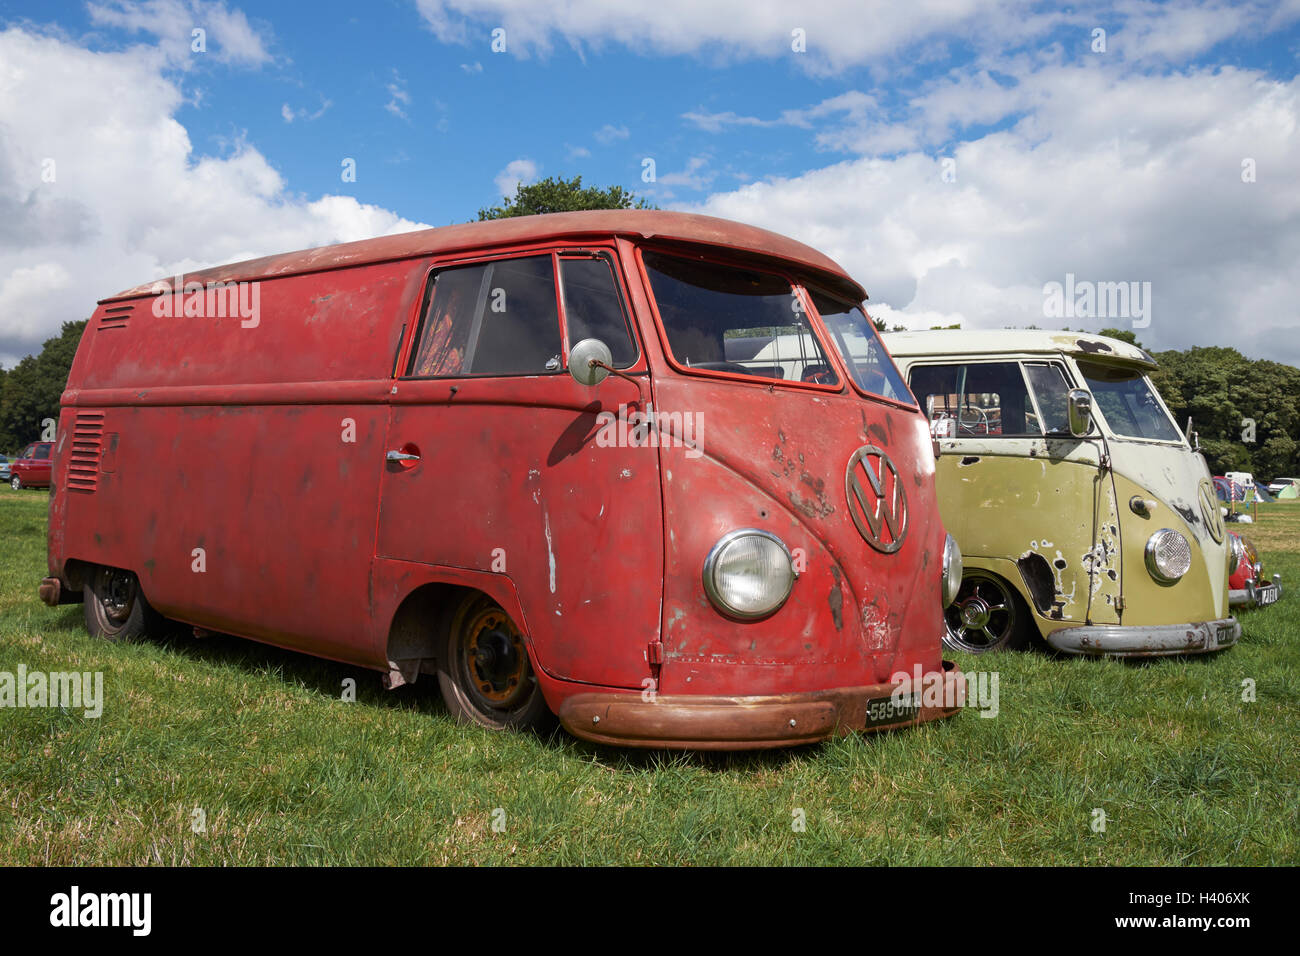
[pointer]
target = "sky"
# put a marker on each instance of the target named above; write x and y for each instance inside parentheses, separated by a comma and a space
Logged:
(957, 157)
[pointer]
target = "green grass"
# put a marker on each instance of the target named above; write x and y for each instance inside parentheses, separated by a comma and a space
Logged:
(287, 773)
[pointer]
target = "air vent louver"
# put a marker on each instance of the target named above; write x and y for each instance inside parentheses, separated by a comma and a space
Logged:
(87, 446)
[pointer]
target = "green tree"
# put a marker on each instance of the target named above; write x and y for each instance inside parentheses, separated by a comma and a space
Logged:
(554, 194)
(30, 391)
(1124, 335)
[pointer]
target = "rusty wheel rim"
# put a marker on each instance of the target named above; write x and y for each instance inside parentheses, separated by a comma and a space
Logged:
(116, 594)
(495, 661)
(983, 615)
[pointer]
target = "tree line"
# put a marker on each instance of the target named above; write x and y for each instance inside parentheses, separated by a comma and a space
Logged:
(1245, 411)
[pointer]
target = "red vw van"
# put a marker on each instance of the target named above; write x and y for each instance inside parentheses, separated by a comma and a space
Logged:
(558, 462)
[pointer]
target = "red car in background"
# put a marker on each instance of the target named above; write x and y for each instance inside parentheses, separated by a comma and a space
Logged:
(31, 469)
(1246, 586)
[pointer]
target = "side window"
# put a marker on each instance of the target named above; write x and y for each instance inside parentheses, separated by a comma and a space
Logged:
(1050, 389)
(43, 451)
(593, 308)
(984, 399)
(492, 318)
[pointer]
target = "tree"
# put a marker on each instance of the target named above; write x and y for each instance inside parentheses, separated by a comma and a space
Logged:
(30, 391)
(561, 195)
(1124, 335)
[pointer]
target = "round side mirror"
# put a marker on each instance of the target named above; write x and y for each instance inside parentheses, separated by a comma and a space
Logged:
(1080, 401)
(585, 360)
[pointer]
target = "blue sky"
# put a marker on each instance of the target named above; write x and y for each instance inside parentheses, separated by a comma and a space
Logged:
(1121, 164)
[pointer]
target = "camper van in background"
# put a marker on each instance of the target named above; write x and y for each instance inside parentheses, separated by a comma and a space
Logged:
(647, 470)
(1083, 515)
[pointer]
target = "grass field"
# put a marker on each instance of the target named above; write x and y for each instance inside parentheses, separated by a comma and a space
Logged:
(285, 772)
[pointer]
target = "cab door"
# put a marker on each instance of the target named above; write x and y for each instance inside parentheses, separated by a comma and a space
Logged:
(493, 461)
(1023, 497)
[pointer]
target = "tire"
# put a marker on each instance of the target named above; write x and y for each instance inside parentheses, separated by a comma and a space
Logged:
(484, 671)
(987, 615)
(115, 607)
(16, 483)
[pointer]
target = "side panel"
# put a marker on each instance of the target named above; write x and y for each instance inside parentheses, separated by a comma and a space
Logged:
(235, 468)
(257, 521)
(1044, 504)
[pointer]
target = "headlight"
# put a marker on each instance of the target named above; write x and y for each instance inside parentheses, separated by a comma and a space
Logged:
(1238, 554)
(1168, 555)
(748, 574)
(951, 570)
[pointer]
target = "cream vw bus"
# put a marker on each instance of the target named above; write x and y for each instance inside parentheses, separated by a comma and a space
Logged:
(1083, 514)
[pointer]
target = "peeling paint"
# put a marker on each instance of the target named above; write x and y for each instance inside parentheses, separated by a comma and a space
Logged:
(550, 550)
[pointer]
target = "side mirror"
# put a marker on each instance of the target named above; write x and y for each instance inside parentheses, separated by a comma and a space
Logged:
(1080, 412)
(588, 360)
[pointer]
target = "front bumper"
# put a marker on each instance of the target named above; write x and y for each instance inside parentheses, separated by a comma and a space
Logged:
(1253, 594)
(685, 722)
(1116, 640)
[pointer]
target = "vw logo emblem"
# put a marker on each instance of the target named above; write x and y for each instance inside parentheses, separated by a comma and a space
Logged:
(877, 499)
(1210, 511)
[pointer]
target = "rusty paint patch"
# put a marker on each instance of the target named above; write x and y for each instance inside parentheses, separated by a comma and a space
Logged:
(836, 600)
(1092, 348)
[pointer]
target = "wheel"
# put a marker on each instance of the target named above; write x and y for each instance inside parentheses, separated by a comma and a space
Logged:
(115, 607)
(988, 615)
(484, 672)
(16, 483)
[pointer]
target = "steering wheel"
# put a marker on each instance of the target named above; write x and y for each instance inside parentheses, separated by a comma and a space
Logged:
(981, 424)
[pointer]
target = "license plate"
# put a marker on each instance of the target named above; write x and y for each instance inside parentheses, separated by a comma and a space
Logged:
(887, 710)
(1266, 595)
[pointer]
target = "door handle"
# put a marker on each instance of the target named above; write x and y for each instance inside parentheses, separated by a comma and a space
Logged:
(395, 455)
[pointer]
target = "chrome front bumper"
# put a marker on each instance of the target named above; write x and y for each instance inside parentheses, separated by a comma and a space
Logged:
(1253, 594)
(1116, 640)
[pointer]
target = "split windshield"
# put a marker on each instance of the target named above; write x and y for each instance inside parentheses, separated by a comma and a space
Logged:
(1128, 403)
(858, 344)
(729, 319)
(726, 319)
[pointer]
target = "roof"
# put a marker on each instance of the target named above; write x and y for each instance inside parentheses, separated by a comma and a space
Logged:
(631, 223)
(1017, 341)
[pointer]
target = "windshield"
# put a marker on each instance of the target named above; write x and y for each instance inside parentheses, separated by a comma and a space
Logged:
(727, 319)
(855, 338)
(1128, 403)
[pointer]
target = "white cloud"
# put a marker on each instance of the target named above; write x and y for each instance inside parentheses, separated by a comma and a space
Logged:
(1108, 175)
(399, 98)
(228, 36)
(130, 200)
(848, 33)
(289, 114)
(516, 172)
(609, 134)
(694, 176)
(472, 68)
(735, 28)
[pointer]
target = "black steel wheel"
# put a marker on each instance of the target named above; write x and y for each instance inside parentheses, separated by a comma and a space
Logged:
(484, 672)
